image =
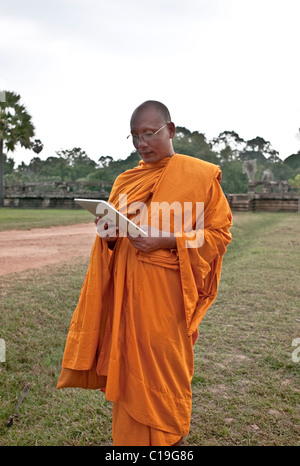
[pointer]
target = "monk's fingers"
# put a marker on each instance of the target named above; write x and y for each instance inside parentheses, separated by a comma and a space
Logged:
(153, 232)
(100, 219)
(104, 229)
(136, 234)
(144, 244)
(112, 230)
(104, 223)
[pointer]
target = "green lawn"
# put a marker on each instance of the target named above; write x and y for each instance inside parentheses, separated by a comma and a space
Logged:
(24, 219)
(246, 384)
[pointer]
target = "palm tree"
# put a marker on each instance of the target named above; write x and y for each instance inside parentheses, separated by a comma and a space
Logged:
(15, 128)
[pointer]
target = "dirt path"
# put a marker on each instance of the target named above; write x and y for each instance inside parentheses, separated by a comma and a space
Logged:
(31, 249)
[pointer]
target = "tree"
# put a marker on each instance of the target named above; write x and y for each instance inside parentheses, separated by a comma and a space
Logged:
(234, 181)
(228, 144)
(258, 148)
(37, 146)
(56, 168)
(194, 144)
(8, 164)
(35, 166)
(105, 160)
(293, 161)
(295, 183)
(15, 128)
(81, 165)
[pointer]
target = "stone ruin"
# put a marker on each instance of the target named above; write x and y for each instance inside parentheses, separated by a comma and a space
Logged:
(275, 196)
(53, 194)
(249, 167)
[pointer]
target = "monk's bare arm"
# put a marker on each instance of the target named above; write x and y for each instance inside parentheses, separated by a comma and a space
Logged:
(108, 233)
(146, 244)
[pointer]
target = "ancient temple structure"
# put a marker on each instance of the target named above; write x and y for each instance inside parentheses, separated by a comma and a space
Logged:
(266, 195)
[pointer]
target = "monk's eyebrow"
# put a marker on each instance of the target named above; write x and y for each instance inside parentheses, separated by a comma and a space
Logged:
(145, 130)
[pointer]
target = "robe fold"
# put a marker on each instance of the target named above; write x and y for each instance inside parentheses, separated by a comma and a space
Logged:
(137, 317)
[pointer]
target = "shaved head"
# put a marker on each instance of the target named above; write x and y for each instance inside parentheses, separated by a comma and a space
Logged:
(157, 106)
(152, 117)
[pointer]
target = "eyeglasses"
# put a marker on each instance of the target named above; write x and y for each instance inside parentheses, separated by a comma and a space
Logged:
(144, 136)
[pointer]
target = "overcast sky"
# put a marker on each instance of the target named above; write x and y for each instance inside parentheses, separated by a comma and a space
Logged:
(82, 66)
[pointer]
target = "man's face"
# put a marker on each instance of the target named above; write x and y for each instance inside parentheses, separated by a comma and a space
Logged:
(155, 148)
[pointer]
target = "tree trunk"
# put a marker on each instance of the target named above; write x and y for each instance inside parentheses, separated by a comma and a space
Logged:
(1, 174)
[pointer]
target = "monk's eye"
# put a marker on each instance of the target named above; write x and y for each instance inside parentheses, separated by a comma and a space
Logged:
(148, 135)
(142, 137)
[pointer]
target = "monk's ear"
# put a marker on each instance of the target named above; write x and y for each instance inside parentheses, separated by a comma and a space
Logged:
(172, 130)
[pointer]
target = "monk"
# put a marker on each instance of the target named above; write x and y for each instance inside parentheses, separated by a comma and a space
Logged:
(133, 331)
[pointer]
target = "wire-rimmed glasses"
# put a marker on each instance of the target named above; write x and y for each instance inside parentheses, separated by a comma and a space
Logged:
(147, 136)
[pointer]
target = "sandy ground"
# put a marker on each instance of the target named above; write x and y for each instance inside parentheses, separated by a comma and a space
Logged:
(31, 249)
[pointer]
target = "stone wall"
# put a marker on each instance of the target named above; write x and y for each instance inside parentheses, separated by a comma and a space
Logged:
(265, 195)
(56, 195)
(61, 196)
(29, 202)
(264, 202)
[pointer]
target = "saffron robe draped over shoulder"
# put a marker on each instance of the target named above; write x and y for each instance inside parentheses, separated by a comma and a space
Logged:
(137, 317)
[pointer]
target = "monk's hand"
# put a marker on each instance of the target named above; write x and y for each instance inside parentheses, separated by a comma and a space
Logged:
(106, 229)
(156, 239)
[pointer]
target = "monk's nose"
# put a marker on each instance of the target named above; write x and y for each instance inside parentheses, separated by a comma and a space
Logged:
(141, 142)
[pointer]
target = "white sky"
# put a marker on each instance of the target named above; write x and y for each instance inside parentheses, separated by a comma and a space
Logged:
(82, 66)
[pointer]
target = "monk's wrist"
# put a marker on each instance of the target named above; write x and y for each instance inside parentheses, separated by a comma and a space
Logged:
(170, 242)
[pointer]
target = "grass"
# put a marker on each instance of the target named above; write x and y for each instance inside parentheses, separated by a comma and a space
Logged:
(245, 387)
(25, 219)
(248, 392)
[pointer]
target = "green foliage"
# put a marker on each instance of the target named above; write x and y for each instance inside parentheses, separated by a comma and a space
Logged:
(79, 162)
(228, 150)
(259, 145)
(8, 164)
(233, 178)
(293, 161)
(16, 127)
(105, 160)
(37, 146)
(295, 183)
(280, 170)
(228, 145)
(112, 168)
(194, 144)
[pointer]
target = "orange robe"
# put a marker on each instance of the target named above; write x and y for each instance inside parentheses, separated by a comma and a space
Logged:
(137, 317)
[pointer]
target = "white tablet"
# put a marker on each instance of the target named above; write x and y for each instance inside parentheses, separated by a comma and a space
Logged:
(104, 209)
